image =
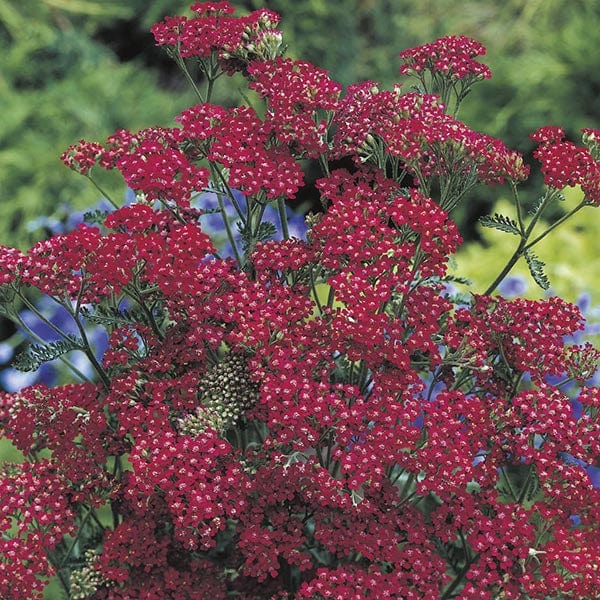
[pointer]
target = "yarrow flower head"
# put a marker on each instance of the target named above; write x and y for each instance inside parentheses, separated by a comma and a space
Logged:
(258, 395)
(415, 130)
(452, 56)
(298, 94)
(236, 41)
(81, 157)
(591, 139)
(564, 164)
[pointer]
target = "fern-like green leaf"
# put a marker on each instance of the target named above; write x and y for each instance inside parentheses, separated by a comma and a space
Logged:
(38, 354)
(110, 316)
(540, 202)
(452, 553)
(500, 222)
(7, 304)
(533, 488)
(456, 279)
(95, 217)
(265, 231)
(536, 268)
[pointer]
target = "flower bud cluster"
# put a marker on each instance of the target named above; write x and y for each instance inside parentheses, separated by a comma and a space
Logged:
(564, 164)
(225, 393)
(236, 41)
(86, 580)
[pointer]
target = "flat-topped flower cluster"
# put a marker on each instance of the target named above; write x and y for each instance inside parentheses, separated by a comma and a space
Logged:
(309, 418)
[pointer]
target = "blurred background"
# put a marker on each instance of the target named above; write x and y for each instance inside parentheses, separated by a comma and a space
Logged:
(73, 69)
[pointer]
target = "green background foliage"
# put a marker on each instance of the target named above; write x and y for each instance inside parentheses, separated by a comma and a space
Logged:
(83, 68)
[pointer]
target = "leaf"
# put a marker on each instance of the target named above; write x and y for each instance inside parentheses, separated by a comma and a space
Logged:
(111, 316)
(7, 301)
(95, 217)
(37, 354)
(500, 222)
(536, 268)
(542, 201)
(456, 279)
(533, 487)
(453, 553)
(265, 231)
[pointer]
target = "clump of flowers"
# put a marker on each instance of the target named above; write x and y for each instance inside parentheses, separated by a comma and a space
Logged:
(565, 164)
(277, 417)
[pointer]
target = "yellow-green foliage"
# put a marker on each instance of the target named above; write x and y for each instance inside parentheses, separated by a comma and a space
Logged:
(570, 252)
(58, 85)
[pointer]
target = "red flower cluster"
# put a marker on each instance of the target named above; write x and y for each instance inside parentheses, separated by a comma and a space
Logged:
(236, 41)
(295, 92)
(451, 56)
(415, 129)
(36, 512)
(321, 419)
(565, 164)
(83, 156)
(242, 143)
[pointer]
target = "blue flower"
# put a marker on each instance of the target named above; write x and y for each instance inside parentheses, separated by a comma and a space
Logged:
(514, 285)
(212, 220)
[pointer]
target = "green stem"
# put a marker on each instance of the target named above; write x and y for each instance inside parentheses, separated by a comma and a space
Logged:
(328, 455)
(559, 222)
(459, 578)
(86, 343)
(407, 485)
(459, 197)
(213, 72)
(313, 287)
(215, 170)
(135, 293)
(41, 316)
(228, 230)
(283, 218)
(173, 210)
(507, 268)
(401, 471)
(52, 326)
(107, 196)
(330, 297)
(517, 200)
(181, 64)
(150, 316)
(509, 484)
(550, 195)
(525, 487)
(80, 530)
(363, 372)
(63, 582)
(256, 212)
(523, 245)
(465, 546)
(209, 88)
(324, 165)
